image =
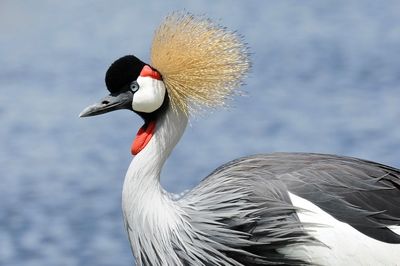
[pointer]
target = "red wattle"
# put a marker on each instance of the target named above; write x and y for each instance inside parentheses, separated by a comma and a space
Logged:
(143, 137)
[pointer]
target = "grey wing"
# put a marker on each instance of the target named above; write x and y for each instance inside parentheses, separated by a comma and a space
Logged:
(245, 212)
(251, 196)
(363, 194)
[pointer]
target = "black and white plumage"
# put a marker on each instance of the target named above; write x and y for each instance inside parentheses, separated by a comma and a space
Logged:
(284, 186)
(284, 208)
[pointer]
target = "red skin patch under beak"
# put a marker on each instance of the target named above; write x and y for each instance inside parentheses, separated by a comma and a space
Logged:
(143, 137)
(147, 71)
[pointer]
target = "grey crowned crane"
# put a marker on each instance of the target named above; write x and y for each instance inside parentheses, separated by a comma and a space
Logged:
(281, 208)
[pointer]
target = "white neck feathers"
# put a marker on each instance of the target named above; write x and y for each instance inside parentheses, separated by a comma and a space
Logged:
(147, 208)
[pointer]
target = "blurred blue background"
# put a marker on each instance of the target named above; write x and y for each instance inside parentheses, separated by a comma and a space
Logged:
(326, 78)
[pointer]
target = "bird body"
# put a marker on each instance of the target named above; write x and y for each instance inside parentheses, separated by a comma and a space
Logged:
(223, 214)
(282, 208)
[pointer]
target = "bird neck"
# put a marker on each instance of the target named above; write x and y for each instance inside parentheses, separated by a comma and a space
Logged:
(147, 208)
(147, 164)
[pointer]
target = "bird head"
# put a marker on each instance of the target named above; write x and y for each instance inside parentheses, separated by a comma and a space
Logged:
(195, 63)
(133, 85)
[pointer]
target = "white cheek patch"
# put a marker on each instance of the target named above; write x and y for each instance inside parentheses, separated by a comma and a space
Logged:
(150, 95)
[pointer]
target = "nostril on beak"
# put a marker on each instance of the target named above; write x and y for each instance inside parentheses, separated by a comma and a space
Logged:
(105, 102)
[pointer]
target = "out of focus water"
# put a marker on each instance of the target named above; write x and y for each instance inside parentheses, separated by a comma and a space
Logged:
(326, 78)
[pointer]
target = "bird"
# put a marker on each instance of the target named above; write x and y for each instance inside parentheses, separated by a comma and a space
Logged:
(264, 209)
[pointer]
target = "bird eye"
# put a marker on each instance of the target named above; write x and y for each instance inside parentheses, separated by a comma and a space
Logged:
(134, 86)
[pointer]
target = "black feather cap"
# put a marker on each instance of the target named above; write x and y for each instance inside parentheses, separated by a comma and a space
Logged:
(122, 72)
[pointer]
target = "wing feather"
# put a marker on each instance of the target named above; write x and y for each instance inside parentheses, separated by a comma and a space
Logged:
(362, 193)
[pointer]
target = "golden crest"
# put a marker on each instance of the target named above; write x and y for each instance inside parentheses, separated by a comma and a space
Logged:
(201, 63)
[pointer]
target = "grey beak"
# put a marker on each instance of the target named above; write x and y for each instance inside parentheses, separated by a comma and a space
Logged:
(110, 103)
